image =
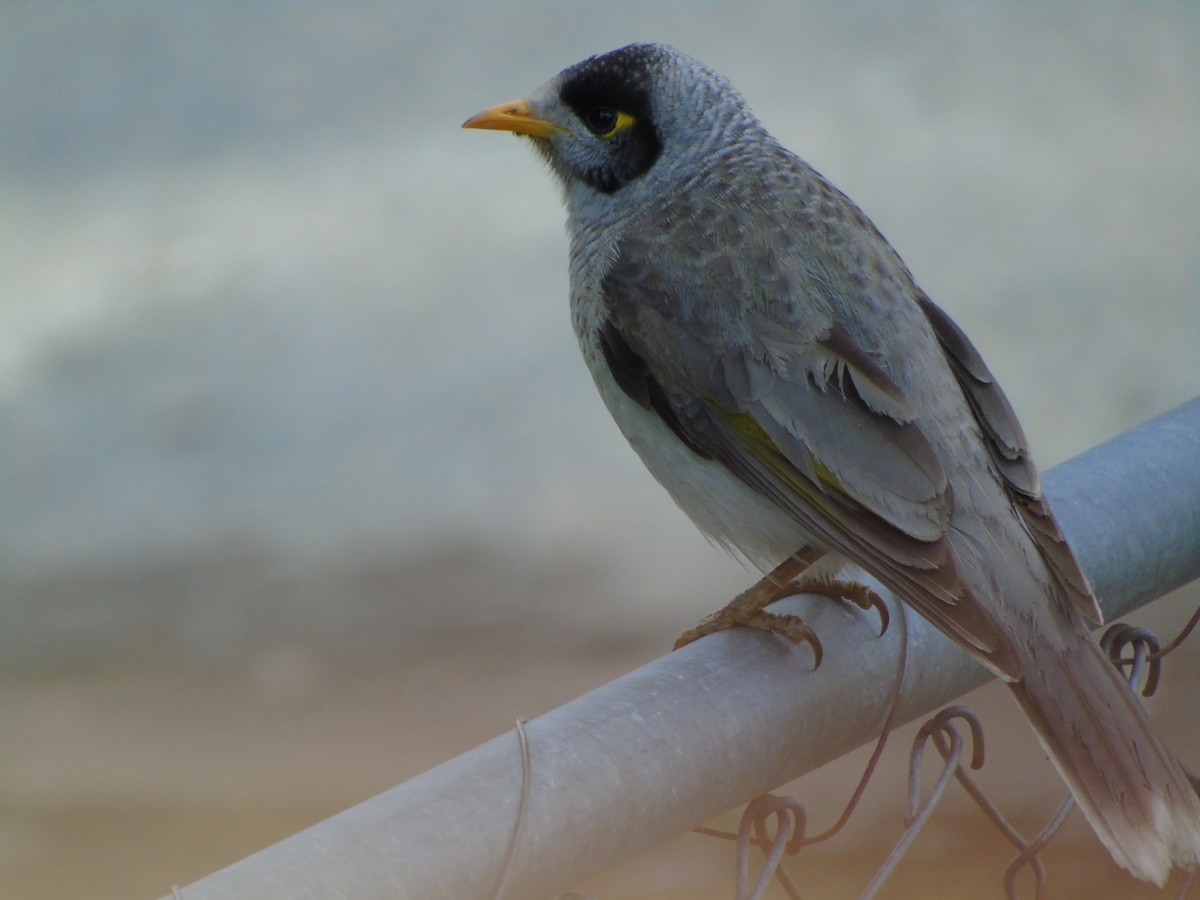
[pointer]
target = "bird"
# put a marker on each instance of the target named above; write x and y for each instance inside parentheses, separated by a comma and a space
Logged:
(773, 362)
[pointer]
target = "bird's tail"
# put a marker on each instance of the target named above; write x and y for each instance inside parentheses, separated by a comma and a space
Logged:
(1133, 792)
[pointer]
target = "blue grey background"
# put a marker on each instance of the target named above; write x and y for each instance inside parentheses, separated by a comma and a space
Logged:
(283, 353)
(303, 486)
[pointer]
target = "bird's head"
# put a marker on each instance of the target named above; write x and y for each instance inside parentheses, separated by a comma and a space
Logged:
(607, 123)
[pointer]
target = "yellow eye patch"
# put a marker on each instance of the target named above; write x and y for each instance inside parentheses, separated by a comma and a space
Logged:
(624, 120)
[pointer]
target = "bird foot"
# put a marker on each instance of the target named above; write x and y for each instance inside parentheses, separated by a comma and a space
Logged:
(749, 608)
(838, 589)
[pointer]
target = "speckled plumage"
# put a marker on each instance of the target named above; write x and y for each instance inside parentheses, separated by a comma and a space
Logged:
(773, 362)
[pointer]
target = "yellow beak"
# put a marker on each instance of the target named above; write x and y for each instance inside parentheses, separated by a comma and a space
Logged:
(515, 117)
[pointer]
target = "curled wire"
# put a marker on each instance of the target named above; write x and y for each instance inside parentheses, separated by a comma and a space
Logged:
(918, 814)
(1146, 651)
(947, 739)
(790, 820)
(1026, 856)
(1147, 655)
(1029, 854)
(1134, 650)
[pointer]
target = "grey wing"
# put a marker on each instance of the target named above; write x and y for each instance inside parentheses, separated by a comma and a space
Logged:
(1009, 450)
(799, 410)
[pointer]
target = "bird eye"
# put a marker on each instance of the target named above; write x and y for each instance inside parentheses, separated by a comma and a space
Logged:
(601, 120)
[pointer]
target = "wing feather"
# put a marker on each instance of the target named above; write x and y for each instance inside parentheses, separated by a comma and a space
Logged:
(827, 434)
(1010, 452)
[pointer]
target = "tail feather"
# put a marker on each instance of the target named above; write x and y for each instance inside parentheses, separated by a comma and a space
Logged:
(1135, 795)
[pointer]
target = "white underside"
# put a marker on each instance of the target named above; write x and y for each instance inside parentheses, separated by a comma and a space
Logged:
(729, 513)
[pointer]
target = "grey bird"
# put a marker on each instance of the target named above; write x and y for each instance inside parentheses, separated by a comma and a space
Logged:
(772, 361)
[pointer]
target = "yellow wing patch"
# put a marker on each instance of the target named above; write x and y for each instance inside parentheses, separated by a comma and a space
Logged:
(752, 438)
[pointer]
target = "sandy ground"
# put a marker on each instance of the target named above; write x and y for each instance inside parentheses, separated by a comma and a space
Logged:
(119, 782)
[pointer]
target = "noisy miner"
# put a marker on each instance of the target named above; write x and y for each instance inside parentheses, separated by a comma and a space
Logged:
(776, 367)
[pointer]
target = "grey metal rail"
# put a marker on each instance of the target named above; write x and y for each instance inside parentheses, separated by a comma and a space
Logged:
(707, 728)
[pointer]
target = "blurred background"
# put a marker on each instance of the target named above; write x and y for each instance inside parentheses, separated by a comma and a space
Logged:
(303, 486)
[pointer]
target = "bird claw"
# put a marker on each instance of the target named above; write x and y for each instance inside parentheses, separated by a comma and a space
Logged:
(793, 628)
(837, 589)
(748, 609)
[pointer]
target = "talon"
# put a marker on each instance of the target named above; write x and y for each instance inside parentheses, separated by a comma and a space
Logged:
(866, 599)
(708, 625)
(792, 628)
(800, 633)
(858, 594)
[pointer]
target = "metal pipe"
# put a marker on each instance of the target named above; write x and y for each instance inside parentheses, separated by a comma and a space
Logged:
(709, 727)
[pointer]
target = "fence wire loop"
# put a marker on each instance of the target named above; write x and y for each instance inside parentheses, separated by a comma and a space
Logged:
(942, 726)
(940, 729)
(1029, 855)
(790, 820)
(950, 755)
(1146, 652)
(948, 740)
(1147, 655)
(1136, 651)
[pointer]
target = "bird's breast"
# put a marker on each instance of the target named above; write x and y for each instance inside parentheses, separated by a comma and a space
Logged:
(728, 512)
